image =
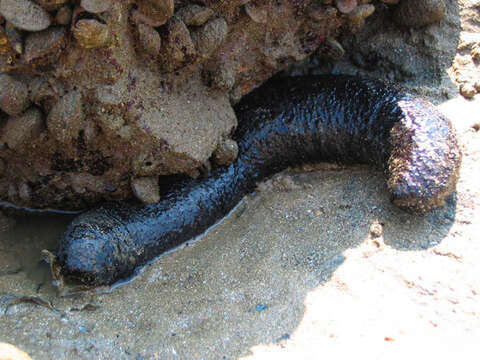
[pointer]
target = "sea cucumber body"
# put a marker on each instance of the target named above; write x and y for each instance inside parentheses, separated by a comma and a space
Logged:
(283, 123)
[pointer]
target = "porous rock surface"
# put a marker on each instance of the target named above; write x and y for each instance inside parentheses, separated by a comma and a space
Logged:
(119, 90)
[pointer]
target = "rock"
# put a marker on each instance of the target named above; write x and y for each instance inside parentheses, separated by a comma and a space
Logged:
(258, 14)
(209, 37)
(15, 38)
(25, 14)
(416, 13)
(66, 118)
(467, 90)
(194, 15)
(13, 95)
(51, 5)
(44, 47)
(146, 189)
(96, 6)
(226, 152)
(19, 131)
(91, 33)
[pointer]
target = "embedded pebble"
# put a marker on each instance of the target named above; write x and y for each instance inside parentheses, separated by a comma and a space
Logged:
(4, 43)
(154, 12)
(20, 130)
(346, 6)
(223, 76)
(416, 13)
(91, 33)
(13, 95)
(42, 93)
(194, 15)
(376, 229)
(226, 152)
(146, 189)
(467, 90)
(63, 16)
(96, 6)
(25, 14)
(65, 120)
(42, 48)
(179, 47)
(149, 39)
(208, 38)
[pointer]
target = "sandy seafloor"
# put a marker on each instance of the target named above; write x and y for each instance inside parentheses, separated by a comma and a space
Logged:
(293, 273)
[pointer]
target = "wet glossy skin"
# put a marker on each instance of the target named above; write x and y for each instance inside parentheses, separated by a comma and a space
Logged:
(283, 123)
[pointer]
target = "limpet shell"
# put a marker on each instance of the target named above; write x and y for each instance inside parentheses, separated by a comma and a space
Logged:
(25, 14)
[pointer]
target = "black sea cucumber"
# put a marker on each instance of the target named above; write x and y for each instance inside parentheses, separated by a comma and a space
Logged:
(284, 122)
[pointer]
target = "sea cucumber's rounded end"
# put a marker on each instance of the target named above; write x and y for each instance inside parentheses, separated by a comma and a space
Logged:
(425, 159)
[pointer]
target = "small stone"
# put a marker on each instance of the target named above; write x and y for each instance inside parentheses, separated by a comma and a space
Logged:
(416, 13)
(19, 131)
(194, 15)
(223, 76)
(209, 37)
(91, 33)
(43, 94)
(64, 15)
(44, 47)
(66, 118)
(226, 152)
(25, 14)
(146, 189)
(149, 39)
(467, 90)
(346, 6)
(13, 95)
(475, 52)
(179, 47)
(96, 6)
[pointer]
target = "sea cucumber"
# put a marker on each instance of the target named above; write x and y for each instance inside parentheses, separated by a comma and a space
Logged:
(284, 122)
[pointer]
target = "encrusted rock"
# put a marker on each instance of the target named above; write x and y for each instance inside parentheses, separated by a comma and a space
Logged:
(414, 13)
(146, 189)
(194, 15)
(13, 95)
(44, 47)
(91, 33)
(96, 6)
(149, 40)
(226, 152)
(20, 130)
(25, 14)
(43, 94)
(66, 117)
(209, 37)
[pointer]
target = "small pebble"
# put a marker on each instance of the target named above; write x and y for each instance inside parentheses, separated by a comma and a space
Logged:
(146, 189)
(65, 120)
(96, 6)
(417, 13)
(21, 130)
(63, 16)
(346, 6)
(210, 36)
(376, 230)
(194, 15)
